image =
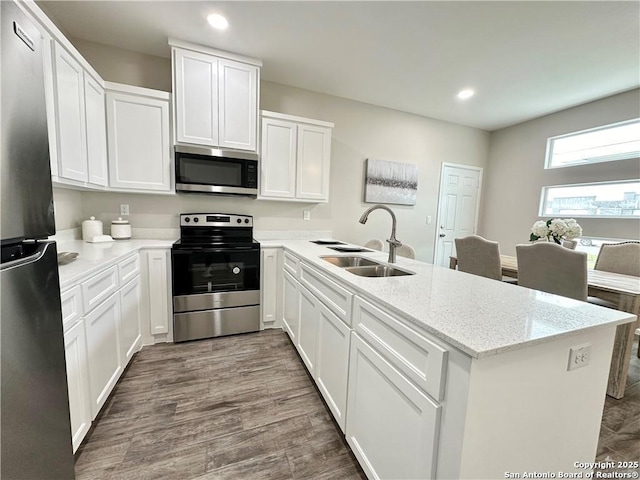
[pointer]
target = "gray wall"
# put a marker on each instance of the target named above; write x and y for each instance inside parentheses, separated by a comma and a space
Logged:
(515, 173)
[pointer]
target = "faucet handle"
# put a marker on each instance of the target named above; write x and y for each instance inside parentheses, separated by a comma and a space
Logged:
(395, 242)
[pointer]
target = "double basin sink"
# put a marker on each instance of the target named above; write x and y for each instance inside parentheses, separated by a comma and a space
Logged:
(365, 267)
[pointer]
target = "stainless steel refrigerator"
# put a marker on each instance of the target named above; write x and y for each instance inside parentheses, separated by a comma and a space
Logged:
(35, 431)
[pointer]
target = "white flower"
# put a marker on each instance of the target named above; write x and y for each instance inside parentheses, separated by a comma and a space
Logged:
(540, 229)
(574, 230)
(558, 228)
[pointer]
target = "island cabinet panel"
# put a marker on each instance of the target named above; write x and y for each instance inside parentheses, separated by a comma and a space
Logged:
(392, 426)
(308, 333)
(291, 306)
(332, 362)
(336, 297)
(422, 360)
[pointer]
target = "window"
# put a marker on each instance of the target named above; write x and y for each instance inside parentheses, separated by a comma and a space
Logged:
(606, 199)
(619, 141)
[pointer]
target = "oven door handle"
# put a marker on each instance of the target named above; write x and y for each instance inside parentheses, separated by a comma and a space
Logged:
(193, 250)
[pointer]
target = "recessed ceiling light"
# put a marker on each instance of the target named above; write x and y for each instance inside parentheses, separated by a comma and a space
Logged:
(466, 93)
(217, 21)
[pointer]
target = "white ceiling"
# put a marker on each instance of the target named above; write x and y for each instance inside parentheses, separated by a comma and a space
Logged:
(524, 59)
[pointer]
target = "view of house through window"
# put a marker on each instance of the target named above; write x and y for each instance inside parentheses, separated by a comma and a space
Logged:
(619, 141)
(606, 199)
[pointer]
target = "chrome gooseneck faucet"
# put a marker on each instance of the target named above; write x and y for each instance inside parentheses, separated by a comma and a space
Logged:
(393, 241)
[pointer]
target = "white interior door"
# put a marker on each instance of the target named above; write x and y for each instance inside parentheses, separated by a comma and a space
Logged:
(457, 208)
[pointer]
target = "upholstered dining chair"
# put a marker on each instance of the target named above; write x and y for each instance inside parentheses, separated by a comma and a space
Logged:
(406, 251)
(621, 258)
(571, 244)
(552, 268)
(479, 256)
(375, 244)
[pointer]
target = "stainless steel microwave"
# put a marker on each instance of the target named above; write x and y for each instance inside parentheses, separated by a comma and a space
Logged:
(216, 171)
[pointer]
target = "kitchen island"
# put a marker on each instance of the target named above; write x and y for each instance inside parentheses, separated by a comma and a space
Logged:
(442, 374)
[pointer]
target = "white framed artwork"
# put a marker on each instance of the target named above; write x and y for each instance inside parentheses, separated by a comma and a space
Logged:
(390, 182)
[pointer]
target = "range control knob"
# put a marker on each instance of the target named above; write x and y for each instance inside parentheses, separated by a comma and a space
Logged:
(236, 270)
(246, 220)
(239, 221)
(196, 219)
(187, 219)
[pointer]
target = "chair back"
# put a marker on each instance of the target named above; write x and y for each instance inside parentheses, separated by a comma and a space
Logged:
(570, 244)
(553, 268)
(375, 244)
(621, 258)
(406, 251)
(479, 256)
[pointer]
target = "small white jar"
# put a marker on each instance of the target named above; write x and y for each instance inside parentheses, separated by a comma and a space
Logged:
(91, 228)
(120, 229)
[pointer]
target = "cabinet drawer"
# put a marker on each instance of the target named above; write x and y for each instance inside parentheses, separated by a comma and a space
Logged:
(98, 288)
(417, 357)
(129, 268)
(333, 295)
(291, 264)
(72, 311)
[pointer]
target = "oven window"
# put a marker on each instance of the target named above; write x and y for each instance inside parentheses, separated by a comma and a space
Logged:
(208, 272)
(209, 172)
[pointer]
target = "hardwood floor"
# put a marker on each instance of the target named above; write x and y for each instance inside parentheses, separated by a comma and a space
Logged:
(228, 408)
(245, 407)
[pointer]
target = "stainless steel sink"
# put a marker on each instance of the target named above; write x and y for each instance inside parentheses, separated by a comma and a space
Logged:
(350, 261)
(378, 271)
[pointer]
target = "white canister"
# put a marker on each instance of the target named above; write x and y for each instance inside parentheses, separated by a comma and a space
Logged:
(91, 228)
(120, 229)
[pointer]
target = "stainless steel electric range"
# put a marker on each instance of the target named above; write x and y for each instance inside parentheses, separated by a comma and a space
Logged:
(216, 276)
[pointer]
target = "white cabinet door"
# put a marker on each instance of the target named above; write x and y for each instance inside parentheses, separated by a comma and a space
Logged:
(75, 348)
(291, 306)
(130, 315)
(332, 362)
(269, 286)
(278, 159)
(70, 115)
(238, 106)
(308, 333)
(392, 426)
(96, 119)
(103, 345)
(159, 291)
(314, 159)
(138, 142)
(196, 101)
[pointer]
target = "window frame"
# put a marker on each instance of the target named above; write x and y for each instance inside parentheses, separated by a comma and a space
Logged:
(542, 204)
(551, 140)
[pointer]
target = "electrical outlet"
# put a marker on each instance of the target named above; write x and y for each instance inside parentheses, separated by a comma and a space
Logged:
(306, 215)
(579, 356)
(428, 219)
(124, 209)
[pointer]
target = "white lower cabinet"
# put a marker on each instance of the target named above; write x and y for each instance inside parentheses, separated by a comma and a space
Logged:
(75, 348)
(130, 315)
(103, 346)
(308, 333)
(159, 281)
(269, 286)
(392, 426)
(290, 306)
(332, 362)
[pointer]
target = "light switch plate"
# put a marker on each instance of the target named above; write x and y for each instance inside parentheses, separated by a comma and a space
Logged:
(306, 215)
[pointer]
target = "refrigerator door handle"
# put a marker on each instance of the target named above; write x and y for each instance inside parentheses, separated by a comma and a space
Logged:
(33, 258)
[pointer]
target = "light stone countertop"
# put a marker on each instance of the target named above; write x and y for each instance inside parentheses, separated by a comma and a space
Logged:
(479, 316)
(95, 257)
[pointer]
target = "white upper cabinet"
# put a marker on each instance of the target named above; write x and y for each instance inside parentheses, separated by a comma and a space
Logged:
(295, 159)
(68, 79)
(216, 97)
(138, 139)
(96, 132)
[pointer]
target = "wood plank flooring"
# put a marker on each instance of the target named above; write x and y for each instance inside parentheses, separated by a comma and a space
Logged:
(244, 407)
(240, 407)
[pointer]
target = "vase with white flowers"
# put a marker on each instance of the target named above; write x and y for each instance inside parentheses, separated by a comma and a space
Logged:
(556, 230)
